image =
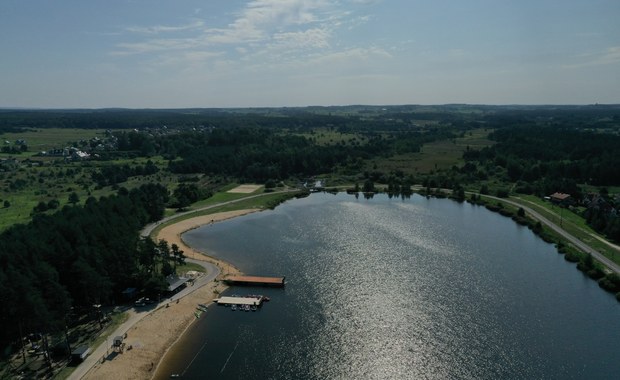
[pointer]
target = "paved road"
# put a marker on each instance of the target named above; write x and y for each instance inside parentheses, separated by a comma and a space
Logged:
(583, 246)
(607, 243)
(136, 314)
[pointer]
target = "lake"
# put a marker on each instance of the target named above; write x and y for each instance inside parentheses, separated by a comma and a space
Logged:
(398, 289)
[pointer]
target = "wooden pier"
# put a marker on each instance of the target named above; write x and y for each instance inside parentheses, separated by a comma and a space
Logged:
(255, 281)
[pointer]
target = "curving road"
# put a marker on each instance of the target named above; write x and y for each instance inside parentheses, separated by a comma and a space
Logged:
(581, 245)
(135, 315)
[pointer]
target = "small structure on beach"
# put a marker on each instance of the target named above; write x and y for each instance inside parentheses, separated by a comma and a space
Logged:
(175, 284)
(192, 274)
(118, 341)
(79, 354)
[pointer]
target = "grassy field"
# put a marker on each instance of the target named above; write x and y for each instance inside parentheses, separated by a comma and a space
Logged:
(436, 155)
(25, 188)
(54, 179)
(50, 138)
(327, 137)
(45, 178)
(224, 196)
(189, 267)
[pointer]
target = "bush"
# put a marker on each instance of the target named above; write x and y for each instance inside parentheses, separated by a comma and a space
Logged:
(506, 213)
(491, 207)
(571, 256)
(595, 273)
(40, 207)
(610, 282)
(521, 221)
(524, 188)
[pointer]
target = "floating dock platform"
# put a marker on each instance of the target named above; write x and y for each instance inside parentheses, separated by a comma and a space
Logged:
(252, 301)
(255, 281)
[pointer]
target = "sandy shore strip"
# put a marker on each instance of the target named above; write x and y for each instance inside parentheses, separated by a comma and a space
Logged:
(172, 234)
(152, 336)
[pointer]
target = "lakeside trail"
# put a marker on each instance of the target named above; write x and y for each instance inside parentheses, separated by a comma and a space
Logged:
(151, 334)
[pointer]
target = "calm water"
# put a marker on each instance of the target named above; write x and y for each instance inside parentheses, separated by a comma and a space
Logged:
(402, 289)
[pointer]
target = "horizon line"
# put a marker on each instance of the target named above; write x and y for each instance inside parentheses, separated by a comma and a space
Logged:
(18, 108)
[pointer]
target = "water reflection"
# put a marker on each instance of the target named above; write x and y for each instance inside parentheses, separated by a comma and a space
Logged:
(404, 288)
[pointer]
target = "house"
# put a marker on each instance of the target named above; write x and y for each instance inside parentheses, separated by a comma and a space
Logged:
(561, 198)
(599, 203)
(175, 284)
(78, 155)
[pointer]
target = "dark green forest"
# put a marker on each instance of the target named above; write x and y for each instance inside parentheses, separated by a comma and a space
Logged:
(77, 257)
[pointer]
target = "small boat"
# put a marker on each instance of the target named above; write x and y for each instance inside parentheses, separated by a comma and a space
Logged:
(253, 307)
(233, 307)
(201, 307)
(246, 307)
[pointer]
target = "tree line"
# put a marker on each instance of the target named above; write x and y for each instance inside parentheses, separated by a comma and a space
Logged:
(551, 158)
(80, 256)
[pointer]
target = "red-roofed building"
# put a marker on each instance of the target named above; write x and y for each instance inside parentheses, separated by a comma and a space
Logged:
(561, 198)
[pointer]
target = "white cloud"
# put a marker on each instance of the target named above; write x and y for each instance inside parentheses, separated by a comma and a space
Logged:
(311, 38)
(260, 19)
(190, 59)
(155, 45)
(157, 29)
(365, 2)
(352, 54)
(608, 57)
(264, 33)
(259, 22)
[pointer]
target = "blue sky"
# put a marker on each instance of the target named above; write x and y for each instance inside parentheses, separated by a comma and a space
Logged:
(232, 53)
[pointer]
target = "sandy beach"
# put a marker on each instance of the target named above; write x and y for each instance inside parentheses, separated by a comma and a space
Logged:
(153, 335)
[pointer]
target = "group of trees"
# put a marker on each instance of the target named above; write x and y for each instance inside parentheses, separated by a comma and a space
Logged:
(115, 174)
(552, 158)
(79, 256)
(559, 152)
(14, 149)
(604, 221)
(259, 154)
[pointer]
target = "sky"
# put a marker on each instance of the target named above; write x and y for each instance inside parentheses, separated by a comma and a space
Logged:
(272, 53)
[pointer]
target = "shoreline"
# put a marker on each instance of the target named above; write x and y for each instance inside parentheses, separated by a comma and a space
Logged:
(154, 335)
